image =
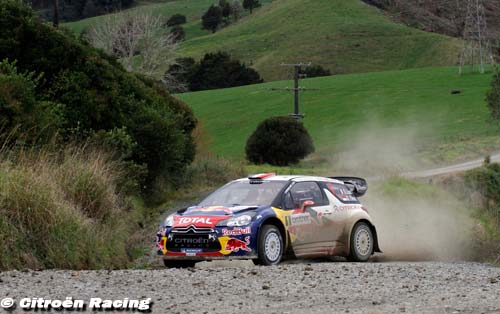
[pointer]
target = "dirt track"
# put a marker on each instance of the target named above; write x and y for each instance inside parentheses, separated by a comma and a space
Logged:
(322, 287)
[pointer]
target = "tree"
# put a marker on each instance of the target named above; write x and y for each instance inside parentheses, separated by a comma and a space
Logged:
(179, 75)
(316, 71)
(218, 70)
(138, 40)
(251, 4)
(176, 19)
(178, 32)
(493, 96)
(236, 9)
(226, 11)
(212, 18)
(279, 141)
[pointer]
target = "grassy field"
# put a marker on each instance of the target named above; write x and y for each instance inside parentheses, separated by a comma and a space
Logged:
(345, 36)
(410, 109)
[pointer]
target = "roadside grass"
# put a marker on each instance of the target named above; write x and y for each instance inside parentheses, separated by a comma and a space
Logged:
(63, 209)
(414, 108)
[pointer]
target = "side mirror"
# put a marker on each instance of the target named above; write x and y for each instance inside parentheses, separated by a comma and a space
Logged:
(307, 203)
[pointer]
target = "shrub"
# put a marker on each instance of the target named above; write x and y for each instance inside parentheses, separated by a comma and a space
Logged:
(279, 141)
(176, 19)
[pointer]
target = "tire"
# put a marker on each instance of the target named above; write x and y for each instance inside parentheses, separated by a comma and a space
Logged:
(270, 246)
(178, 263)
(361, 243)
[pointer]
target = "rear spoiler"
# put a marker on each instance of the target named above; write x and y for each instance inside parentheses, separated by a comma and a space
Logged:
(358, 186)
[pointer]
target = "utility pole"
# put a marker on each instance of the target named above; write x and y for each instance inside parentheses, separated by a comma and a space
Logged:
(296, 88)
(476, 51)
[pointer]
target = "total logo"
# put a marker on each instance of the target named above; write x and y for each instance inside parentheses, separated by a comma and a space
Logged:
(194, 220)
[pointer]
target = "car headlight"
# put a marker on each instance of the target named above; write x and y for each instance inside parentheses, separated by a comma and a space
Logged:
(237, 221)
(169, 221)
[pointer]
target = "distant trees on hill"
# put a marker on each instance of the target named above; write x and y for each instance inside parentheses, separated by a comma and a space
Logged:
(72, 10)
(315, 71)
(215, 70)
(225, 13)
(176, 19)
(251, 5)
(212, 19)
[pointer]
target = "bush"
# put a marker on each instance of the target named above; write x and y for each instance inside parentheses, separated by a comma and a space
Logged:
(85, 92)
(493, 96)
(279, 141)
(176, 19)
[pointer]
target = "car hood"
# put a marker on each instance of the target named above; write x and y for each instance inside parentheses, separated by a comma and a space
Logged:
(208, 216)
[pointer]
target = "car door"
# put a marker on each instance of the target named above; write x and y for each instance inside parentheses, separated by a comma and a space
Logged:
(308, 227)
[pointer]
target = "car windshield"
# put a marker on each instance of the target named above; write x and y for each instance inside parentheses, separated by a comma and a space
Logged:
(244, 193)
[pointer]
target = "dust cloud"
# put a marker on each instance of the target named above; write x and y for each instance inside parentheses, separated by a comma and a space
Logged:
(414, 220)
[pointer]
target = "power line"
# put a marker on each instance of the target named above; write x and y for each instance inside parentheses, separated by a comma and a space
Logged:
(476, 51)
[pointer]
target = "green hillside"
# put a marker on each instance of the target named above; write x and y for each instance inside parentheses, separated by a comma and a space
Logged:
(346, 36)
(417, 101)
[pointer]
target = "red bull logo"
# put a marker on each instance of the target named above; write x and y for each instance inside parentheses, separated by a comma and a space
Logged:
(235, 245)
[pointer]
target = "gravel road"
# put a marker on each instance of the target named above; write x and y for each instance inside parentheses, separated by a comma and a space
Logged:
(318, 287)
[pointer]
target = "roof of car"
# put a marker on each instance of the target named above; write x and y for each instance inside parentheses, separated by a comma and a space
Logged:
(295, 178)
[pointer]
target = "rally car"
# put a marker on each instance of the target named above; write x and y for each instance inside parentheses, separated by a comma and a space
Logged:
(266, 217)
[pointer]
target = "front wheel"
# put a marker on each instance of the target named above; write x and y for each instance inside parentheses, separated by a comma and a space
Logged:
(361, 243)
(178, 263)
(270, 246)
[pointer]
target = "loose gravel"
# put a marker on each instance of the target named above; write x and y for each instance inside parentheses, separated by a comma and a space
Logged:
(319, 287)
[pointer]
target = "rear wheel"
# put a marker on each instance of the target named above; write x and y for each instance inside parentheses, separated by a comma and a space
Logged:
(178, 263)
(270, 246)
(361, 243)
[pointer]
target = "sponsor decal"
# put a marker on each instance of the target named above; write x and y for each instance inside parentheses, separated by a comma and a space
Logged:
(236, 231)
(346, 207)
(194, 220)
(191, 241)
(191, 252)
(298, 219)
(234, 245)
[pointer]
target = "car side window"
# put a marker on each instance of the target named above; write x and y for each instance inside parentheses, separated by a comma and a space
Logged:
(303, 191)
(288, 201)
(341, 192)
